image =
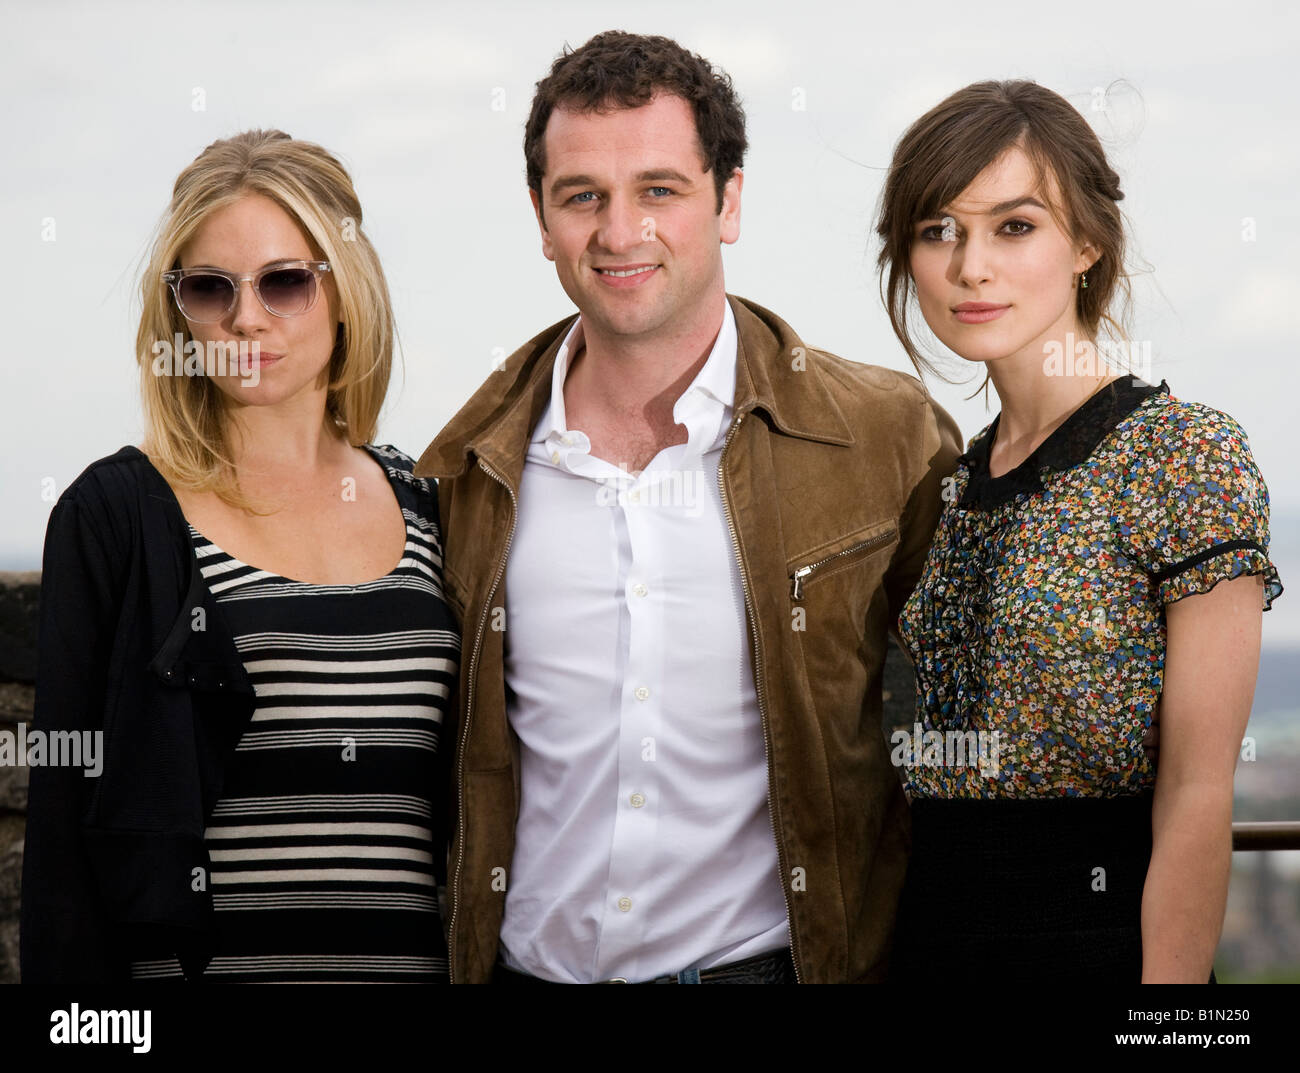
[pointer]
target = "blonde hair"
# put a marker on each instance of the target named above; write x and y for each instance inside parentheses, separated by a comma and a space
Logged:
(186, 434)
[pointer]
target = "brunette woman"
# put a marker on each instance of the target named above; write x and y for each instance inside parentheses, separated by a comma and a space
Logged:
(1102, 559)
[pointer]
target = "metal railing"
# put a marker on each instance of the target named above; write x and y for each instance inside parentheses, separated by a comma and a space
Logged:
(1284, 834)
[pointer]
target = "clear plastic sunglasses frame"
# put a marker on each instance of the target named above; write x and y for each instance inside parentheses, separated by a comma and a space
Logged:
(173, 280)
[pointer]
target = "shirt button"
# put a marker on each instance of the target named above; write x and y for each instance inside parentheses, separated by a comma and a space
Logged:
(634, 496)
(637, 800)
(568, 439)
(639, 589)
(642, 693)
(625, 904)
(555, 457)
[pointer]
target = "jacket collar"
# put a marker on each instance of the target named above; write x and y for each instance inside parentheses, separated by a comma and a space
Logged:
(773, 373)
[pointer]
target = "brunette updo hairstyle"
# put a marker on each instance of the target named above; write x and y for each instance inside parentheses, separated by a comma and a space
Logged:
(942, 153)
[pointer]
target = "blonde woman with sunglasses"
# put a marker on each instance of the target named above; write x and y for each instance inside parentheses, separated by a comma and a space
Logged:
(245, 614)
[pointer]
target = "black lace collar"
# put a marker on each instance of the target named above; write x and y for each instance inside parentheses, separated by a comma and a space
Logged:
(1072, 442)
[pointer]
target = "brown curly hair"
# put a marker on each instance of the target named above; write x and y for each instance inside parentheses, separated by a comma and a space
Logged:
(621, 70)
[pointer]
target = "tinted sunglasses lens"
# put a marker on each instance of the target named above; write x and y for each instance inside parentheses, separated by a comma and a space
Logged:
(287, 291)
(205, 298)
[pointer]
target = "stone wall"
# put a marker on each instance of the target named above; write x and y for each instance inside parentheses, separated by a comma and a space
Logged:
(18, 600)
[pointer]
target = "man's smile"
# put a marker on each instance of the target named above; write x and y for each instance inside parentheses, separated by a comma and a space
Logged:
(627, 275)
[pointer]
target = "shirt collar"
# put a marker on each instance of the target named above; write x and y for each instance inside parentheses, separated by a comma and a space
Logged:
(717, 379)
(708, 398)
(1073, 441)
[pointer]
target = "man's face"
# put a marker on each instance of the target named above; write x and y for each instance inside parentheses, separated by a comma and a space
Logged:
(630, 219)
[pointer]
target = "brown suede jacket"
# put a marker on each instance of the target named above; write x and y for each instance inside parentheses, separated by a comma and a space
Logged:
(832, 479)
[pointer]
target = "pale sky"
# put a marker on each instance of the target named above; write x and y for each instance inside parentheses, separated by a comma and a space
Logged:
(425, 104)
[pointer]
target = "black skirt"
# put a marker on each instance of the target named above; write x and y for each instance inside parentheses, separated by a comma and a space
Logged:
(1024, 891)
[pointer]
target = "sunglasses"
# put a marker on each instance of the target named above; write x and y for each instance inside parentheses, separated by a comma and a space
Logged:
(287, 289)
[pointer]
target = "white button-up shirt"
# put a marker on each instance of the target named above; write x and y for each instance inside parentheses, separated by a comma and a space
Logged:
(644, 844)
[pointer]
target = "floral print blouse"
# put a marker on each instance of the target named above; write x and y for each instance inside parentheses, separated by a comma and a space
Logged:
(1037, 628)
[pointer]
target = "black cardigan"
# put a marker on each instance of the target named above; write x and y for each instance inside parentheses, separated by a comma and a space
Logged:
(119, 859)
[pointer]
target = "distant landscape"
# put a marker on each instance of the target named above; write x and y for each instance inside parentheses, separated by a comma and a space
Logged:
(1261, 932)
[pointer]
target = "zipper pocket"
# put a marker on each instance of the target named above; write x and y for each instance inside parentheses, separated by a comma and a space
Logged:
(801, 575)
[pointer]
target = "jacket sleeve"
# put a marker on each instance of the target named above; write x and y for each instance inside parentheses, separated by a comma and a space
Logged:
(65, 937)
(933, 464)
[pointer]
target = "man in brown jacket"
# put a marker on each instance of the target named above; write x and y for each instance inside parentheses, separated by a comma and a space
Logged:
(676, 538)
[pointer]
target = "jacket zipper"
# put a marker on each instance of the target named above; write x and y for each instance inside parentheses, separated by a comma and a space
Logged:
(469, 711)
(800, 575)
(759, 679)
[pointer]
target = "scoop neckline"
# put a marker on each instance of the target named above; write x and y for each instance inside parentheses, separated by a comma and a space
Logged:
(273, 576)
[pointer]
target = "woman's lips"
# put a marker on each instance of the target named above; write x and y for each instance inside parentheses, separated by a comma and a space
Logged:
(979, 316)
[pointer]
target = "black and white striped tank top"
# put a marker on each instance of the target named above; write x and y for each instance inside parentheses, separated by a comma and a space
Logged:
(323, 841)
